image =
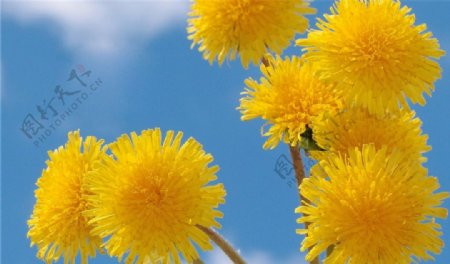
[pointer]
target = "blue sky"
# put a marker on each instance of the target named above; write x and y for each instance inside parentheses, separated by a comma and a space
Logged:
(151, 78)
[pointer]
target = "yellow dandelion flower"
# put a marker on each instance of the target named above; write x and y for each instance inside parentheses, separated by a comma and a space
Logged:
(58, 225)
(377, 54)
(251, 28)
(374, 207)
(149, 199)
(288, 97)
(356, 127)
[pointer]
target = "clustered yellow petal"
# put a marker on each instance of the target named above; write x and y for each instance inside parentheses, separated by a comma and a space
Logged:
(368, 197)
(373, 207)
(356, 126)
(148, 199)
(58, 225)
(224, 28)
(376, 53)
(288, 97)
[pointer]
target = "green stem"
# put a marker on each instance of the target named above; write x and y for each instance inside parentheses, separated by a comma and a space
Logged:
(330, 250)
(223, 244)
(300, 175)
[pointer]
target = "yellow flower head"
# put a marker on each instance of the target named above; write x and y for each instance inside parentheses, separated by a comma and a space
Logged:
(374, 207)
(375, 52)
(289, 97)
(356, 127)
(58, 225)
(149, 199)
(223, 28)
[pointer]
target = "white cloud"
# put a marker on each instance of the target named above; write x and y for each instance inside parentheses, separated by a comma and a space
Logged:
(100, 33)
(101, 28)
(255, 257)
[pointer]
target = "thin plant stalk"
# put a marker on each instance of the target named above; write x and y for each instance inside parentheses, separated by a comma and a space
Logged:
(300, 175)
(223, 244)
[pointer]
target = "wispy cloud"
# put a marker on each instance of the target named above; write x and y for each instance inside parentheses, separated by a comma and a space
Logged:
(99, 34)
(258, 257)
(101, 28)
